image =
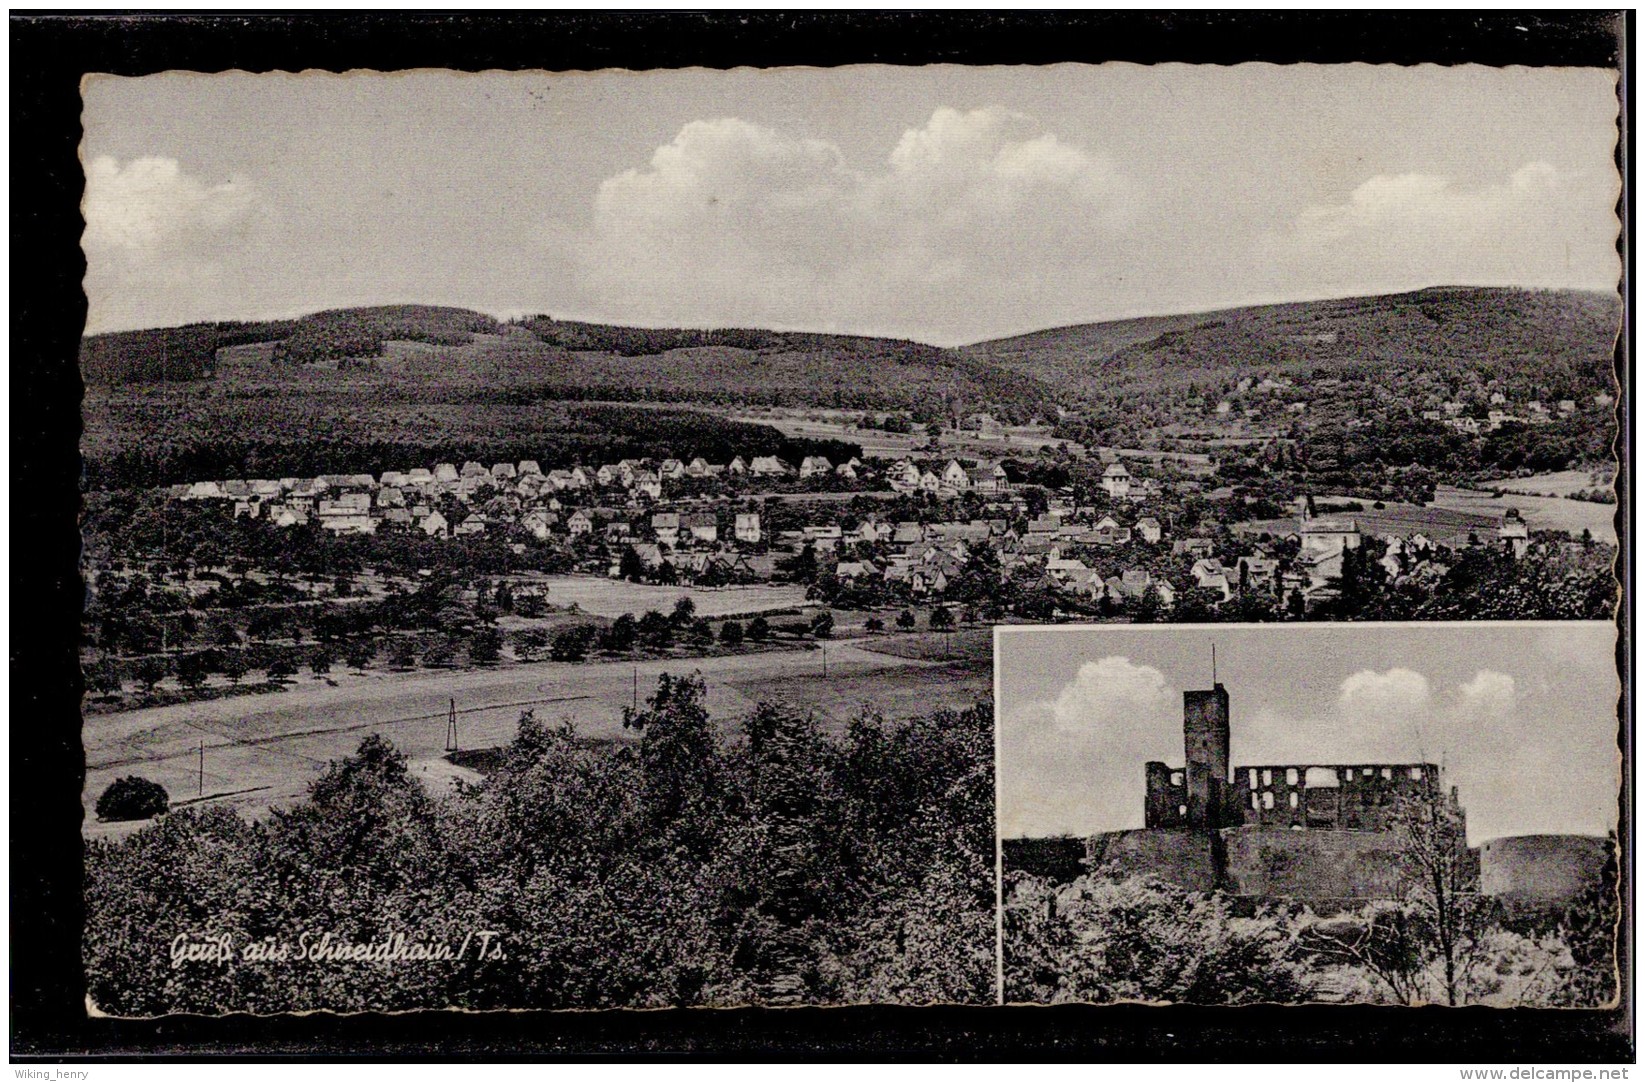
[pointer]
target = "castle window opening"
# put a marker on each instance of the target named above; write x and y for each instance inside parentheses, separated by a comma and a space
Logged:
(1268, 799)
(1290, 776)
(1387, 772)
(1324, 778)
(1366, 772)
(1182, 810)
(1416, 774)
(1253, 778)
(1176, 778)
(1293, 800)
(1267, 777)
(1348, 775)
(1254, 802)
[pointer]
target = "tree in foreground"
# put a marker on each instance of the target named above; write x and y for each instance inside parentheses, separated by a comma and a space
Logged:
(132, 798)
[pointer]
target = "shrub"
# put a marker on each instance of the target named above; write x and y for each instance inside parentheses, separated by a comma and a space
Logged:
(572, 644)
(132, 798)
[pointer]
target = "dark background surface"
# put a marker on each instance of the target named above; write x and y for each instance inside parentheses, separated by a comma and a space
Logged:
(50, 54)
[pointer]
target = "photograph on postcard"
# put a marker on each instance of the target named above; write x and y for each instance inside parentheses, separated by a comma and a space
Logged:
(1351, 813)
(543, 533)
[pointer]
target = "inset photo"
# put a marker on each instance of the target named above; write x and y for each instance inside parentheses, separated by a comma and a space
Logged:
(1351, 813)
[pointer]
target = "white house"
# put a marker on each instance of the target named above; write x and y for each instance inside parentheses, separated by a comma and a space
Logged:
(666, 525)
(1116, 481)
(702, 526)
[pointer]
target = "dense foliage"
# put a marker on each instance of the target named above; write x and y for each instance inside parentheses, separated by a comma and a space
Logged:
(168, 353)
(348, 333)
(1101, 940)
(785, 866)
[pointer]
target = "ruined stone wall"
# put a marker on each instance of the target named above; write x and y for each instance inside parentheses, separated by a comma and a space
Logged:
(1348, 797)
(1181, 856)
(1319, 865)
(1165, 796)
(1059, 858)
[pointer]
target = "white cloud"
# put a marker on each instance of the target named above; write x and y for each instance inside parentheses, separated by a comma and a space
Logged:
(1394, 694)
(1112, 694)
(1538, 226)
(1113, 716)
(149, 209)
(157, 240)
(737, 221)
(1488, 695)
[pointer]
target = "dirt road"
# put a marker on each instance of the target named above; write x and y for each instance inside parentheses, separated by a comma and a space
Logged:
(264, 750)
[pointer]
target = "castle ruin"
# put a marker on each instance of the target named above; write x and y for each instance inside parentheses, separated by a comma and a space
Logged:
(1321, 833)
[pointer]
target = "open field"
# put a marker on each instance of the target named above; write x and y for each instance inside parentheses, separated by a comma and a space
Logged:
(1457, 512)
(1562, 483)
(263, 751)
(1199, 461)
(613, 597)
(1539, 512)
(895, 692)
(1441, 525)
(964, 645)
(1015, 440)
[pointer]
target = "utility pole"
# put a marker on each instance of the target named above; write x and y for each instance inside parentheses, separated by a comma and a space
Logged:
(451, 728)
(636, 707)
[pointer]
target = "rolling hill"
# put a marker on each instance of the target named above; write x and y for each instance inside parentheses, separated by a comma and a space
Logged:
(543, 358)
(1564, 339)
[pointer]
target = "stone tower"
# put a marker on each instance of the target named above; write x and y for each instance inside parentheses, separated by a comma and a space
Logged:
(1205, 742)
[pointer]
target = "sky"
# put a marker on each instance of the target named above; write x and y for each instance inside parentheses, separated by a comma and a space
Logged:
(1522, 717)
(944, 203)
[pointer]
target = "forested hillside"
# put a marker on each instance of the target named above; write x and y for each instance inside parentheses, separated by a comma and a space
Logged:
(163, 439)
(1541, 343)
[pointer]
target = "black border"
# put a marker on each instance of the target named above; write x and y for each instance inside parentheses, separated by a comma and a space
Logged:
(49, 54)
